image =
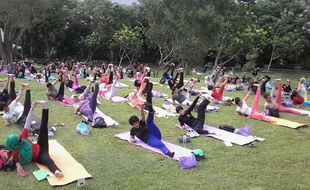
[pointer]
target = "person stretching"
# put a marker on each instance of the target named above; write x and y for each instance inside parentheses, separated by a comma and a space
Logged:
(15, 112)
(24, 151)
(186, 117)
(147, 131)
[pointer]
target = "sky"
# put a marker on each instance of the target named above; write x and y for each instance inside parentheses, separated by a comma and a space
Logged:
(126, 2)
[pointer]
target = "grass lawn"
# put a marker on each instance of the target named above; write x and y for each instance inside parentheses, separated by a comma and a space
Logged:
(280, 162)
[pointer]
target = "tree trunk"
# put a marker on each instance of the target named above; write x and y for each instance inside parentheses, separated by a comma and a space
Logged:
(219, 53)
(271, 58)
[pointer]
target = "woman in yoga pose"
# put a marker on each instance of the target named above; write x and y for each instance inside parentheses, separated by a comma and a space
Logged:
(146, 130)
(24, 151)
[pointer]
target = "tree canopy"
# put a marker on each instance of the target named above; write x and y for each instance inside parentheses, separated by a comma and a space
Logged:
(197, 32)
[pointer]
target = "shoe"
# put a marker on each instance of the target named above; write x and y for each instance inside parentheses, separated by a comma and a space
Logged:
(170, 154)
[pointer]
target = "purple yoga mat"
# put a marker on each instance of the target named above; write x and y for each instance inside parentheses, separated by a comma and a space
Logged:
(178, 150)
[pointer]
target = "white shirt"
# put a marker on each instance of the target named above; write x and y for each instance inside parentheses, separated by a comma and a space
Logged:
(245, 109)
(15, 112)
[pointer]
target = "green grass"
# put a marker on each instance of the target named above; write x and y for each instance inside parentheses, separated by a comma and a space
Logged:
(280, 162)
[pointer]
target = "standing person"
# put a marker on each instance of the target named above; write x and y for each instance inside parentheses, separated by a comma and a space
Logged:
(24, 151)
(186, 117)
(147, 131)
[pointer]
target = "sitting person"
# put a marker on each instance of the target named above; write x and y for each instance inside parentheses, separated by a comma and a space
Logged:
(186, 117)
(15, 112)
(287, 87)
(86, 104)
(52, 93)
(109, 91)
(147, 131)
(218, 95)
(166, 76)
(24, 151)
(244, 110)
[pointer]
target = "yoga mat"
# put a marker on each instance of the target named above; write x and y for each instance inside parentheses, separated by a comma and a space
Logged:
(208, 109)
(157, 92)
(159, 112)
(121, 85)
(115, 99)
(178, 150)
(109, 121)
(287, 123)
(67, 101)
(71, 169)
(226, 136)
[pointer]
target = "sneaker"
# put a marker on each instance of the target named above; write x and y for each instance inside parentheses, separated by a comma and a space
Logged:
(170, 154)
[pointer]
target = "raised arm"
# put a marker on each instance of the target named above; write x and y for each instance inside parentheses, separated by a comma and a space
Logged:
(192, 106)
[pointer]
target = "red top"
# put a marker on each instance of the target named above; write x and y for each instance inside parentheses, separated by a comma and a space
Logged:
(298, 100)
(35, 147)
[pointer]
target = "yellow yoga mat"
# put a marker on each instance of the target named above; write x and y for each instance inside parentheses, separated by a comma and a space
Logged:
(287, 123)
(71, 169)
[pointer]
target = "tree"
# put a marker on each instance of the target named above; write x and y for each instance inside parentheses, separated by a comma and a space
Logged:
(14, 21)
(93, 42)
(128, 41)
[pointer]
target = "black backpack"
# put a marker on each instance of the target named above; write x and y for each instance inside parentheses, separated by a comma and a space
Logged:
(100, 123)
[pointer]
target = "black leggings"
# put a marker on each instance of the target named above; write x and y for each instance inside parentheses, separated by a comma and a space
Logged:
(12, 92)
(181, 81)
(47, 74)
(27, 105)
(263, 86)
(149, 96)
(44, 157)
(61, 92)
(110, 77)
(198, 126)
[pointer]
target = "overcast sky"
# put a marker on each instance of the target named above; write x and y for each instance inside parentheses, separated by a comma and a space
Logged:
(126, 2)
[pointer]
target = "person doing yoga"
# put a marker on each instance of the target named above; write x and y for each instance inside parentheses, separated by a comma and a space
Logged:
(24, 151)
(186, 117)
(51, 91)
(15, 112)
(86, 104)
(147, 131)
(244, 110)
(8, 94)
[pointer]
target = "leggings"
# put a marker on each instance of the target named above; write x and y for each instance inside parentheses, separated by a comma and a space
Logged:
(12, 91)
(110, 77)
(27, 105)
(280, 107)
(149, 96)
(154, 139)
(44, 157)
(61, 92)
(199, 122)
(47, 74)
(218, 95)
(263, 86)
(255, 114)
(92, 103)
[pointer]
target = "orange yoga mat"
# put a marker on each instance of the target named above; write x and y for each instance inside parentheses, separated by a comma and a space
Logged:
(71, 169)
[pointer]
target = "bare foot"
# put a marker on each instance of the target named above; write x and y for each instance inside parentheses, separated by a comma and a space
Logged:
(58, 174)
(25, 86)
(44, 104)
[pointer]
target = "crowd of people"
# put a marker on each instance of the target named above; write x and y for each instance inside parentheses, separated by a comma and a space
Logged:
(18, 150)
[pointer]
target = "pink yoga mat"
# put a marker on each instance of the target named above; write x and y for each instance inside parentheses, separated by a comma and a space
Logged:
(67, 101)
(178, 150)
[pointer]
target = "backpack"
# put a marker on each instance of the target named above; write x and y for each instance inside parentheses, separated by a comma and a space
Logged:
(80, 89)
(100, 123)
